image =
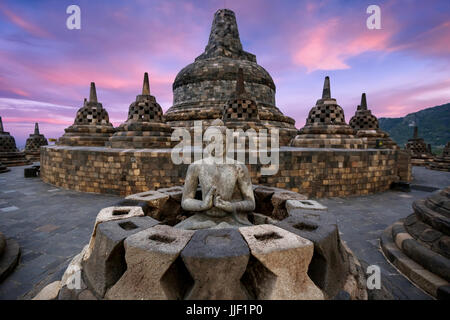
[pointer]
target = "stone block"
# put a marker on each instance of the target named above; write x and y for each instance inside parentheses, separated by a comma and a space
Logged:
(279, 203)
(134, 203)
(278, 270)
(72, 283)
(30, 172)
(329, 264)
(216, 260)
(303, 205)
(106, 264)
(156, 200)
(176, 193)
(258, 218)
(49, 292)
(263, 196)
(110, 214)
(154, 269)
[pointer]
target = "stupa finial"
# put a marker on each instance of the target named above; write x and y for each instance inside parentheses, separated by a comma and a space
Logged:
(1, 125)
(36, 128)
(240, 88)
(363, 105)
(224, 32)
(416, 132)
(146, 85)
(93, 93)
(326, 93)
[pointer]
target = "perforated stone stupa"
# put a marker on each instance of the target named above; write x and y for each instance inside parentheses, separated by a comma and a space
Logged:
(91, 126)
(326, 127)
(420, 152)
(9, 154)
(241, 110)
(442, 162)
(203, 88)
(145, 126)
(366, 126)
(34, 143)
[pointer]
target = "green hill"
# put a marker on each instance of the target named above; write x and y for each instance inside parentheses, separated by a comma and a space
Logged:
(433, 123)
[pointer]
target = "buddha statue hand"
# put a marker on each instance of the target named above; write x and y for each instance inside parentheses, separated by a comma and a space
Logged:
(223, 205)
(209, 199)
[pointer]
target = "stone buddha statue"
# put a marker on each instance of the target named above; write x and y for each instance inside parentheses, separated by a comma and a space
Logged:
(226, 188)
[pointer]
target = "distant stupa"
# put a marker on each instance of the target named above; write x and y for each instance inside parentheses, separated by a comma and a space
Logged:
(91, 126)
(34, 144)
(420, 152)
(366, 126)
(326, 127)
(9, 154)
(145, 126)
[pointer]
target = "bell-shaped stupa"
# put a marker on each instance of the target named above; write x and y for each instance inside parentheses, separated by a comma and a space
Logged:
(366, 126)
(241, 110)
(34, 144)
(91, 126)
(9, 154)
(145, 126)
(420, 152)
(201, 89)
(326, 127)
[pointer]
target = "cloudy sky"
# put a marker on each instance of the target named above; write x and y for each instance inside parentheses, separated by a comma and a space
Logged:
(45, 69)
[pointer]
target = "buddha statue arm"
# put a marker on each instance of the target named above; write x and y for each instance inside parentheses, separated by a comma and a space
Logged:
(245, 185)
(188, 202)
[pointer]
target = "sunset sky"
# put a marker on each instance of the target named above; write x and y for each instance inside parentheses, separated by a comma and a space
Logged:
(45, 69)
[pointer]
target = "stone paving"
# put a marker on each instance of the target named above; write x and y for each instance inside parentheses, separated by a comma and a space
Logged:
(52, 225)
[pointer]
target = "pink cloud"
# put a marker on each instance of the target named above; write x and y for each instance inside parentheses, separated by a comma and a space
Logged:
(329, 44)
(24, 24)
(434, 41)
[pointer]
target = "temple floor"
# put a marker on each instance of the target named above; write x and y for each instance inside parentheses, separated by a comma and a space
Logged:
(52, 225)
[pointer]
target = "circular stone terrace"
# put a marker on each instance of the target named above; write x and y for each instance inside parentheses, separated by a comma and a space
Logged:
(314, 172)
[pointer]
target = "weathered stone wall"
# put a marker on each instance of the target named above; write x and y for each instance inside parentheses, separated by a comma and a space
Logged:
(314, 172)
(220, 90)
(404, 170)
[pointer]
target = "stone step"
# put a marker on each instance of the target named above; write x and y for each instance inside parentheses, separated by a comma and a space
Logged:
(423, 278)
(427, 236)
(425, 257)
(435, 219)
